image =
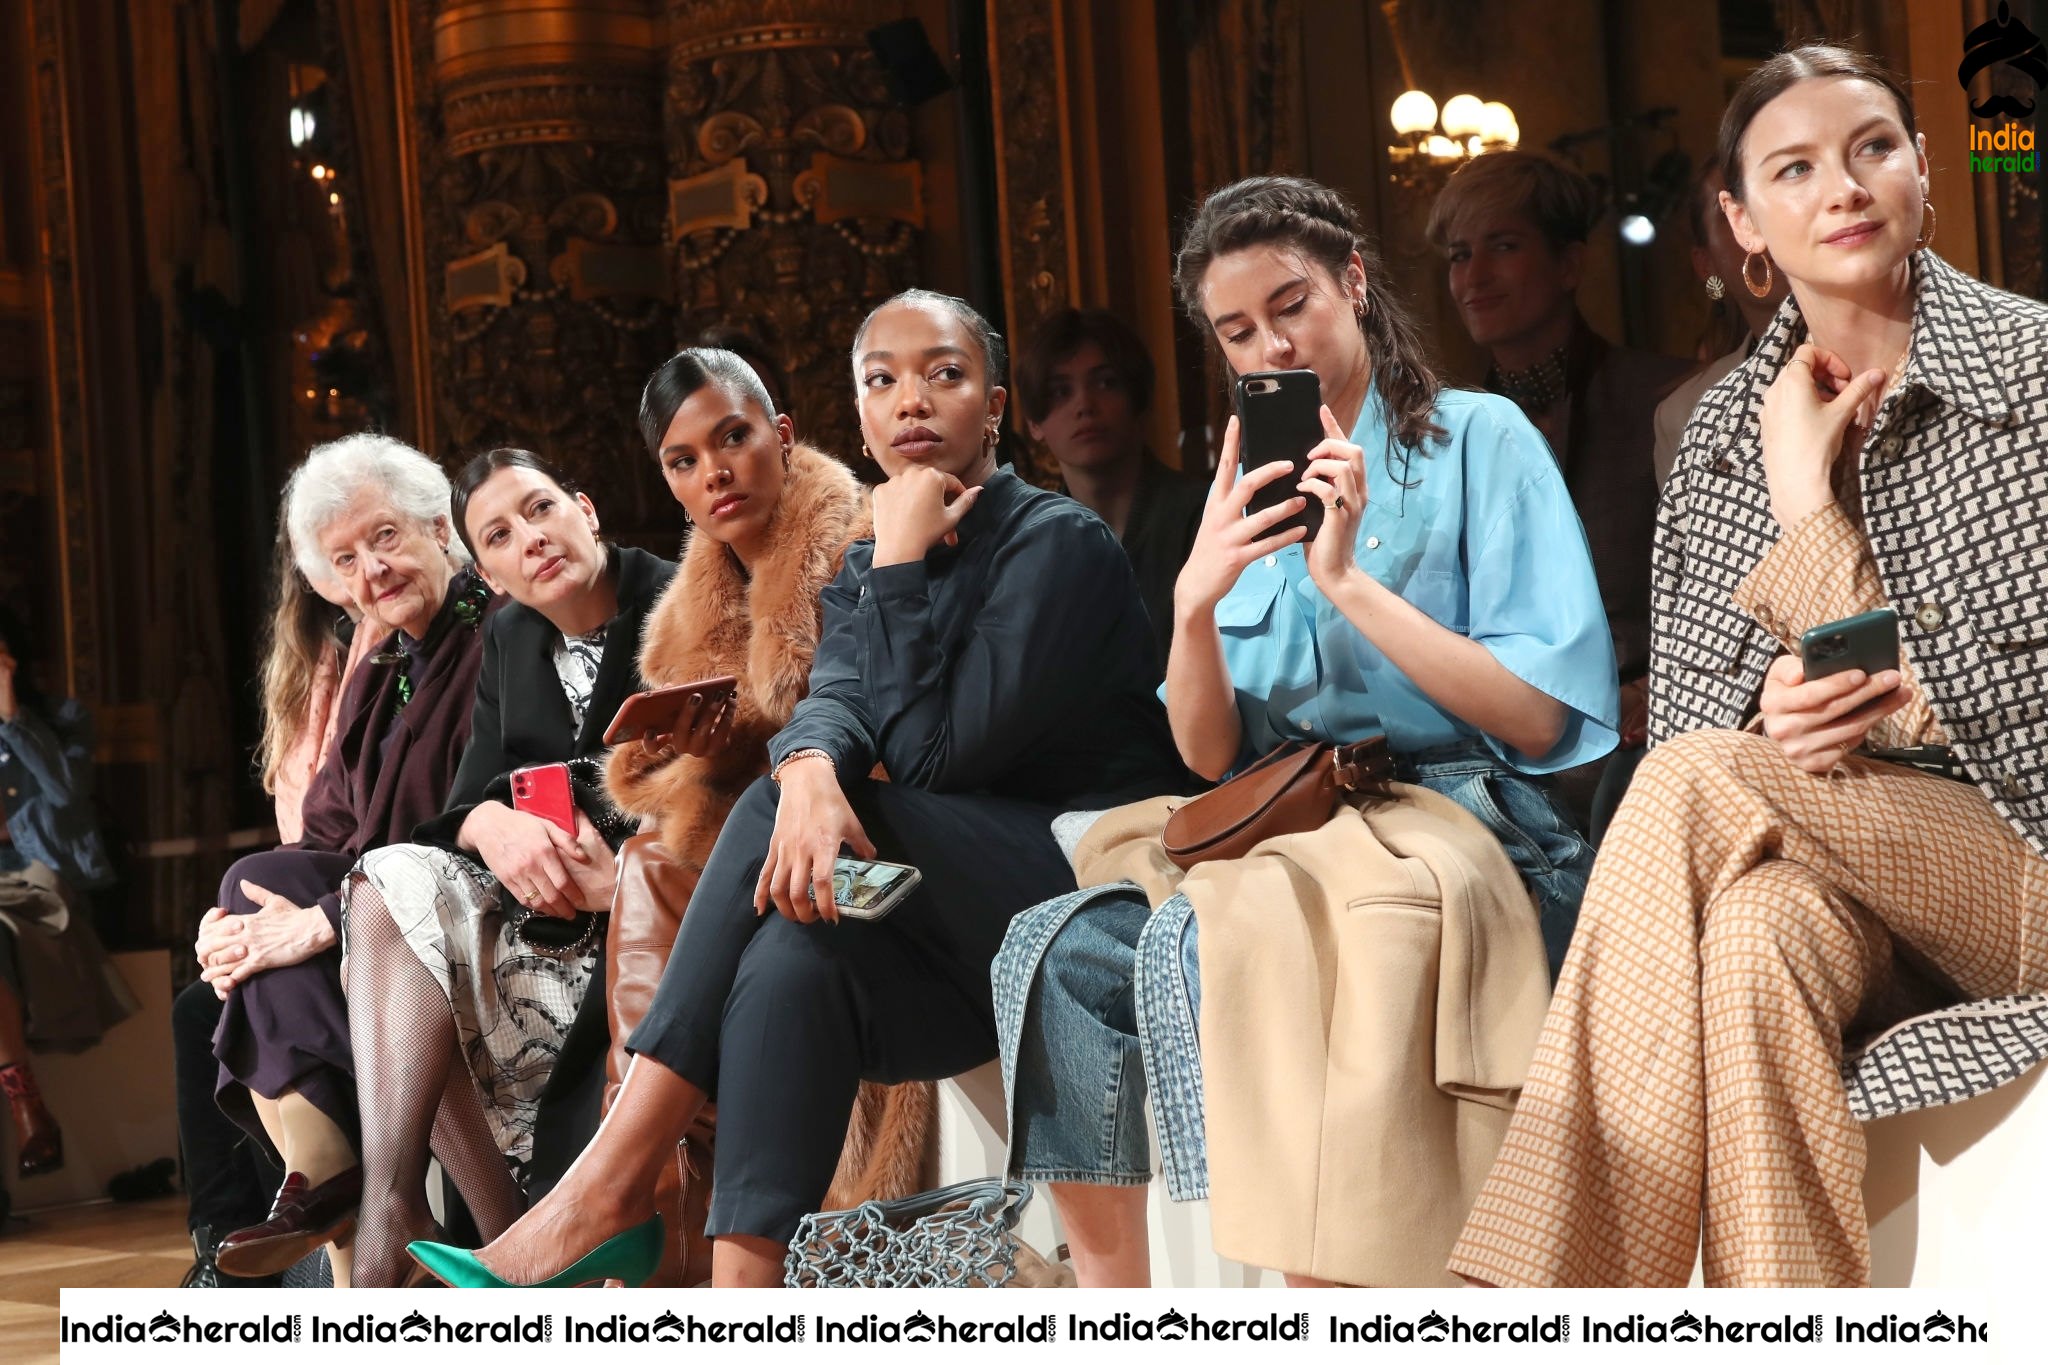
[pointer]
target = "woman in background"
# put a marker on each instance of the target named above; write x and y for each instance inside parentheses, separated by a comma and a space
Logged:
(58, 989)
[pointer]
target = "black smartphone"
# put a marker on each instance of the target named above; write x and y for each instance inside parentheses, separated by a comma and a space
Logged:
(1279, 418)
(1869, 642)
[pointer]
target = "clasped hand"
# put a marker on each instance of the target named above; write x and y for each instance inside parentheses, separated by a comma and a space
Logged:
(1818, 723)
(917, 509)
(539, 865)
(1227, 540)
(704, 731)
(233, 948)
(812, 820)
(1807, 412)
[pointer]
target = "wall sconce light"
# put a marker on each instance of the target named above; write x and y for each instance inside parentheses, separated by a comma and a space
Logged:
(1424, 157)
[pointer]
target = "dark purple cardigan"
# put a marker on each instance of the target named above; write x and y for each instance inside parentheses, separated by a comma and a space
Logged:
(376, 784)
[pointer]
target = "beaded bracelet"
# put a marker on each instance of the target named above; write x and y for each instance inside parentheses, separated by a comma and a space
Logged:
(775, 775)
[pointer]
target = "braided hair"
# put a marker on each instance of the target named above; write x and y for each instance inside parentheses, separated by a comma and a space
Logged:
(1290, 211)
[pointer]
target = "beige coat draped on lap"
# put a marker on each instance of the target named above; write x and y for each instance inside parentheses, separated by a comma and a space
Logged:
(1371, 995)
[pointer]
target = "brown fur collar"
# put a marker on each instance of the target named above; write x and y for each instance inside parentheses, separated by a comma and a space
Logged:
(763, 630)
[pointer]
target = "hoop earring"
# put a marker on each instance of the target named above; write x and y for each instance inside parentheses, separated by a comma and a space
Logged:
(1927, 225)
(1716, 290)
(1760, 290)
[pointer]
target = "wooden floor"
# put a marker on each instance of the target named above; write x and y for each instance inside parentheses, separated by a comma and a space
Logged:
(113, 1246)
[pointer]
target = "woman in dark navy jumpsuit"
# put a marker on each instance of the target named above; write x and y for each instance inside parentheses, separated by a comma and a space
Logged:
(989, 652)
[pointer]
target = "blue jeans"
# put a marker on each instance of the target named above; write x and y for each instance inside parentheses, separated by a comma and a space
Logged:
(1079, 1057)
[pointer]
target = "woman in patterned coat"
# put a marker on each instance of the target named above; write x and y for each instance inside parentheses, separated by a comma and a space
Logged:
(1793, 852)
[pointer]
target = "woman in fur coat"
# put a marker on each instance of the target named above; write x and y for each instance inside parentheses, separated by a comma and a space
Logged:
(772, 520)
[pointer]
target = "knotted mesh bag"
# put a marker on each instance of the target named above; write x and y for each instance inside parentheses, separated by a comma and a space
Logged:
(959, 1237)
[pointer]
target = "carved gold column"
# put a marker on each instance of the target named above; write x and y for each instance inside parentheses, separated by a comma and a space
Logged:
(795, 202)
(550, 293)
(1031, 78)
(63, 365)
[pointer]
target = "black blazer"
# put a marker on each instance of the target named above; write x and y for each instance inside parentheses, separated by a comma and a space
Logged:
(521, 716)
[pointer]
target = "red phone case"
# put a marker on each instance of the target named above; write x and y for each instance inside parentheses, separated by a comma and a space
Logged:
(543, 790)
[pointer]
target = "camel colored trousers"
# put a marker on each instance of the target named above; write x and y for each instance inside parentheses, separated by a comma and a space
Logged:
(1686, 1091)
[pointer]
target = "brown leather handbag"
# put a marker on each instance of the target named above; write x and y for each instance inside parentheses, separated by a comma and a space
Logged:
(1290, 791)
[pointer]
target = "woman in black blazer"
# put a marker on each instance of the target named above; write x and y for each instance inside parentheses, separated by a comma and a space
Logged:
(466, 960)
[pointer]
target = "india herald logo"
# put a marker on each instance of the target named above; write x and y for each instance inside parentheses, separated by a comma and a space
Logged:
(2004, 41)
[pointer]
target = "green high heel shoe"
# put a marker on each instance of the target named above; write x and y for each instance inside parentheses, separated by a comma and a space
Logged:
(632, 1256)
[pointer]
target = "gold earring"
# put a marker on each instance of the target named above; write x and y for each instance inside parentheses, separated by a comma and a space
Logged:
(1927, 224)
(1760, 290)
(1715, 289)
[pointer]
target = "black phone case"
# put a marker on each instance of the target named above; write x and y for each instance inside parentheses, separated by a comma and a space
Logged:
(1869, 642)
(1282, 425)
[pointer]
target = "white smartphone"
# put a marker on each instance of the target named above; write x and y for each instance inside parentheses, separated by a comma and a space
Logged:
(870, 890)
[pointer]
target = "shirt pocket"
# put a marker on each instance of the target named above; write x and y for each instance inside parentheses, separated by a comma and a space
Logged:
(1246, 610)
(2011, 616)
(1706, 672)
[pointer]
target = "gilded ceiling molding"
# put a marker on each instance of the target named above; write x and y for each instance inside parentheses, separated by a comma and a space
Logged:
(796, 202)
(543, 211)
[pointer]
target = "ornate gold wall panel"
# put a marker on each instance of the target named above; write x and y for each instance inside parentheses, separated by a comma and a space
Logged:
(796, 201)
(543, 222)
(1030, 80)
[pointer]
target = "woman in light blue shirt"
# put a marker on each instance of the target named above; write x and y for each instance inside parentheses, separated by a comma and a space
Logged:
(1448, 603)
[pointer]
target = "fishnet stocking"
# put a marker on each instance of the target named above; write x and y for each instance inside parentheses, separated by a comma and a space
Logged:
(415, 1092)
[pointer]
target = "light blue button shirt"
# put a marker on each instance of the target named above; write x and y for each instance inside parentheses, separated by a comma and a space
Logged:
(1488, 543)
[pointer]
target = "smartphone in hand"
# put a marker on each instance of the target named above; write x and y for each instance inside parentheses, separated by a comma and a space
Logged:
(1869, 642)
(1280, 417)
(863, 889)
(659, 711)
(543, 790)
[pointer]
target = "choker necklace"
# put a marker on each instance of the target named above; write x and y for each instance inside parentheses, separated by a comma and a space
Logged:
(1538, 387)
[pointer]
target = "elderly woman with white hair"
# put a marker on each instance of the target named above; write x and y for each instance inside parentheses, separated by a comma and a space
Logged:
(373, 514)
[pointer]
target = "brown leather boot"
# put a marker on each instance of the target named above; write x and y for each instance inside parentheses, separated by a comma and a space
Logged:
(647, 914)
(41, 1141)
